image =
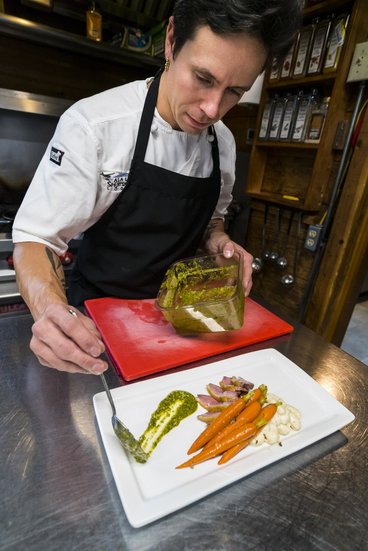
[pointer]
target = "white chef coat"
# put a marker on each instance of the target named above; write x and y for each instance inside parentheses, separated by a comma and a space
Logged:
(96, 137)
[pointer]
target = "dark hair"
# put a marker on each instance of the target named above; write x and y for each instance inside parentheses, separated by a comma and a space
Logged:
(273, 22)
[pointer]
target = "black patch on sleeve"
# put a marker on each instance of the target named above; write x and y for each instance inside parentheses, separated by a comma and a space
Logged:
(56, 155)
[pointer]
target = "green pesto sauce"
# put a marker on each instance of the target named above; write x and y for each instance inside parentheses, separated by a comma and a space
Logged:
(177, 405)
(189, 296)
(129, 443)
(199, 298)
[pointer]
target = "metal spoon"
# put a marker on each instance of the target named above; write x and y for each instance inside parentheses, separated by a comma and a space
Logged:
(127, 440)
(257, 264)
(266, 252)
(289, 279)
(276, 233)
(282, 260)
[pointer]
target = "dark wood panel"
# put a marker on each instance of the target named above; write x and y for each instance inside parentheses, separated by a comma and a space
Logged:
(267, 283)
(240, 119)
(288, 173)
(43, 70)
(345, 261)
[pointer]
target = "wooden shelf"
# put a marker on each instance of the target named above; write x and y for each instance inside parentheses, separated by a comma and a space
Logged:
(285, 144)
(277, 199)
(326, 7)
(289, 83)
(23, 29)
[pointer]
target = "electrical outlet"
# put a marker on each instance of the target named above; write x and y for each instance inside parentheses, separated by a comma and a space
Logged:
(359, 64)
(312, 237)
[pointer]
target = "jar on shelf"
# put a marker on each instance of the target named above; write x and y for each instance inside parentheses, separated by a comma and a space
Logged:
(317, 120)
(306, 103)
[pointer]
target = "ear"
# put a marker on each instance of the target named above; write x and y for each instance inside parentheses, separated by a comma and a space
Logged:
(169, 41)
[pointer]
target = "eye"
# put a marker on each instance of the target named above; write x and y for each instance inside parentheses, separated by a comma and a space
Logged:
(203, 79)
(236, 92)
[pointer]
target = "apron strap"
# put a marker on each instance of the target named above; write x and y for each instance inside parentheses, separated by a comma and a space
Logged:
(215, 152)
(146, 120)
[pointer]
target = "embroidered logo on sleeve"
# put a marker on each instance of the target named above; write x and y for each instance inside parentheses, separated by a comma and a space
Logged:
(116, 181)
(56, 155)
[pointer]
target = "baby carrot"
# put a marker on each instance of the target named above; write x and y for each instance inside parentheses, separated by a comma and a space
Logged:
(266, 413)
(226, 416)
(237, 436)
(248, 415)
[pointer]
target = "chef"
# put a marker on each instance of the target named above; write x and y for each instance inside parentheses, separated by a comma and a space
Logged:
(145, 172)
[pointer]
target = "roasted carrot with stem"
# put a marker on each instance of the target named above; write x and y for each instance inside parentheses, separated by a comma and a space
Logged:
(226, 416)
(236, 437)
(248, 415)
(267, 412)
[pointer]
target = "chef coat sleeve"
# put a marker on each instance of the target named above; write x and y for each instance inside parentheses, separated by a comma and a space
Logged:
(59, 203)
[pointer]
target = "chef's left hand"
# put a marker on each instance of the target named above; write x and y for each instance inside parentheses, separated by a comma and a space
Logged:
(219, 242)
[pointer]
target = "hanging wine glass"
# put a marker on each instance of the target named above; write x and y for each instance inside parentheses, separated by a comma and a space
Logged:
(282, 260)
(289, 279)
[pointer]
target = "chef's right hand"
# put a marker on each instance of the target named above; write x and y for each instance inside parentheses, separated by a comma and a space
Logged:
(67, 340)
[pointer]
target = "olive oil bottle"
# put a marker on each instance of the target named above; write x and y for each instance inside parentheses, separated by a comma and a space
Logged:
(94, 23)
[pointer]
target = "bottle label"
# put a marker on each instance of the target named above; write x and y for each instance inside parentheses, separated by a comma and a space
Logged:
(336, 43)
(265, 121)
(286, 122)
(301, 58)
(276, 121)
(318, 48)
(300, 121)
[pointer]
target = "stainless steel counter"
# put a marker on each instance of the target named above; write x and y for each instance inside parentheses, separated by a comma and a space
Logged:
(57, 491)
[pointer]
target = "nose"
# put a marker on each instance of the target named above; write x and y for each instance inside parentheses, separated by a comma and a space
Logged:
(211, 104)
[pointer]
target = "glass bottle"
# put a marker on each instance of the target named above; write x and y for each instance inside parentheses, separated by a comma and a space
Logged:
(303, 49)
(335, 44)
(302, 116)
(287, 124)
(94, 23)
(318, 47)
(288, 62)
(274, 71)
(266, 118)
(277, 115)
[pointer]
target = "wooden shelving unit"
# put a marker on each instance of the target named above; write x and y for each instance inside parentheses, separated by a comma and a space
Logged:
(299, 178)
(303, 170)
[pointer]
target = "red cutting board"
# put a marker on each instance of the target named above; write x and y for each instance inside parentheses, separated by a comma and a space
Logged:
(141, 342)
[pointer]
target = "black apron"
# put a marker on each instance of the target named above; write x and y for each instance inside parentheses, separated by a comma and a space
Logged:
(158, 218)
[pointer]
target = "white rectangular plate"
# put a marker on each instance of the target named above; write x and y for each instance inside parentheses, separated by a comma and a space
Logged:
(155, 489)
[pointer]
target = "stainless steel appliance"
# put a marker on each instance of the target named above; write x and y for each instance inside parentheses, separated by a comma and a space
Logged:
(27, 123)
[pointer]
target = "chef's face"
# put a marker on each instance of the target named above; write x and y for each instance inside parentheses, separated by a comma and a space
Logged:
(207, 77)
